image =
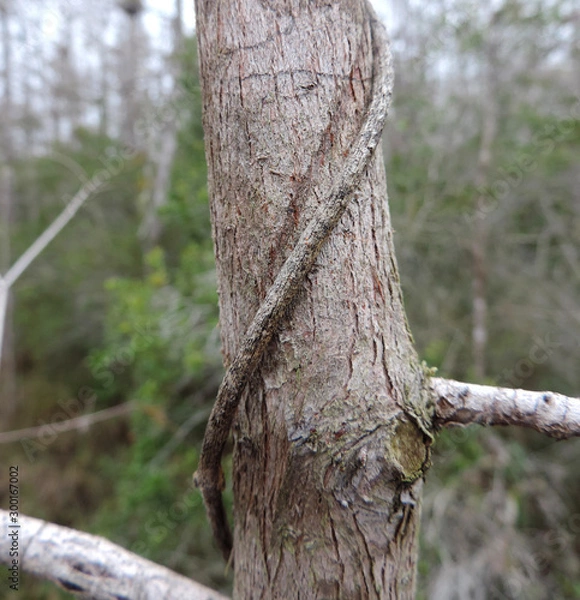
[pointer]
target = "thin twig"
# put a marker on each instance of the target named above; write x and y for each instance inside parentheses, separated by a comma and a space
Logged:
(82, 422)
(209, 476)
(458, 403)
(196, 418)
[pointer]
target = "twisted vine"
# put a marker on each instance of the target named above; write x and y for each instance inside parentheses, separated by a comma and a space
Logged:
(209, 476)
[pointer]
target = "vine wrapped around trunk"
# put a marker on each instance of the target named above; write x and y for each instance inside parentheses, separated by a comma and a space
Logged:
(332, 432)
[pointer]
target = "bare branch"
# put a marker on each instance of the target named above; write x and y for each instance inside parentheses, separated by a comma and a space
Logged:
(90, 566)
(43, 240)
(83, 422)
(458, 403)
(209, 476)
(55, 227)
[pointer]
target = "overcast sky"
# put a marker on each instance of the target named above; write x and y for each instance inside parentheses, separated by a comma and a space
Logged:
(162, 7)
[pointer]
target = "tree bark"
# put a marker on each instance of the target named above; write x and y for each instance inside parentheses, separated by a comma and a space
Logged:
(332, 435)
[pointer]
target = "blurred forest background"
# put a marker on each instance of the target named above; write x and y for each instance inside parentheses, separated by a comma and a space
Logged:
(483, 161)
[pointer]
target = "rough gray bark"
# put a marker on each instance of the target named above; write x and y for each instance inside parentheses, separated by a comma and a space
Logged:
(281, 294)
(331, 436)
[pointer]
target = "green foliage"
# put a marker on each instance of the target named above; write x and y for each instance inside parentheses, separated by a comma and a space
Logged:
(185, 216)
(103, 309)
(163, 326)
(60, 298)
(96, 311)
(487, 486)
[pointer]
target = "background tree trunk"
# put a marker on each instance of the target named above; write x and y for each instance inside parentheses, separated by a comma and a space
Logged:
(330, 438)
(7, 156)
(490, 110)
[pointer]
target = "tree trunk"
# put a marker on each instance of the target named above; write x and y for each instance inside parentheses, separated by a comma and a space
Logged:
(8, 388)
(7, 157)
(479, 332)
(129, 74)
(331, 440)
(167, 141)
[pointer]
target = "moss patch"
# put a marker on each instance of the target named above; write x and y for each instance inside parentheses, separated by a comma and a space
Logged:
(409, 450)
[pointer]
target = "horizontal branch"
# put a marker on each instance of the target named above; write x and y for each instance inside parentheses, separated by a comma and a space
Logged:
(89, 566)
(458, 403)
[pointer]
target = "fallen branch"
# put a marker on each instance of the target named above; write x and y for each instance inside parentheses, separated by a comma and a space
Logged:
(458, 403)
(90, 566)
